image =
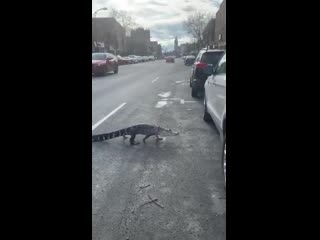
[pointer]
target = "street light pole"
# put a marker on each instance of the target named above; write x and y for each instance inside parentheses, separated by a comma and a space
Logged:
(95, 13)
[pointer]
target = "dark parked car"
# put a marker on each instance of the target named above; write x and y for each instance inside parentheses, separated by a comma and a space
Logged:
(103, 63)
(122, 60)
(170, 59)
(189, 60)
(198, 78)
(215, 103)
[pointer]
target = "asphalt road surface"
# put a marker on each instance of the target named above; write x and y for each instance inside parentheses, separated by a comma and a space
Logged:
(181, 174)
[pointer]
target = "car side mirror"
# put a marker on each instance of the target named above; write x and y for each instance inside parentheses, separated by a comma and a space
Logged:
(208, 70)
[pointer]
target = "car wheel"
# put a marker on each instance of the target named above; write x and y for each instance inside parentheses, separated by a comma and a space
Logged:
(194, 91)
(105, 71)
(116, 69)
(206, 115)
(224, 162)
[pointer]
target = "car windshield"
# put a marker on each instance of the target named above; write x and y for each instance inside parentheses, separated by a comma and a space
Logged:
(99, 56)
(211, 57)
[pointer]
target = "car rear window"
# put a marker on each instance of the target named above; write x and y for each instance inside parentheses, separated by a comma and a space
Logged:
(222, 67)
(190, 59)
(99, 56)
(211, 57)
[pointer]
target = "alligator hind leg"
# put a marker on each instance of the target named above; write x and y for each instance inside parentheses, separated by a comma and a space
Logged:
(132, 140)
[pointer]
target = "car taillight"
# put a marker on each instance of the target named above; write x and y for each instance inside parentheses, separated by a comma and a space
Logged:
(201, 65)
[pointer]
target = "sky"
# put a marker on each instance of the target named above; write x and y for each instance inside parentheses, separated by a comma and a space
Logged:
(164, 18)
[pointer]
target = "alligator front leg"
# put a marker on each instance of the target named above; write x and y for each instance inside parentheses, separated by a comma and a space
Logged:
(158, 138)
(146, 137)
(132, 140)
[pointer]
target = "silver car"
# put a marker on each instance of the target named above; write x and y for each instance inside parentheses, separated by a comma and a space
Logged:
(215, 103)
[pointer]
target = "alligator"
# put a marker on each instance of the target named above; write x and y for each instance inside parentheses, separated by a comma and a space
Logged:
(143, 129)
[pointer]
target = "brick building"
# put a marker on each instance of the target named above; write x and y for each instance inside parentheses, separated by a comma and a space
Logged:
(208, 34)
(109, 35)
(220, 26)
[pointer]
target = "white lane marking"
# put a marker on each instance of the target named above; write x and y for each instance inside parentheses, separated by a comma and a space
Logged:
(106, 117)
(161, 104)
(164, 94)
(155, 79)
(174, 99)
(182, 101)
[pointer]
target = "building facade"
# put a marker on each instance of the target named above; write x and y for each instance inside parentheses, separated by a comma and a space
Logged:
(220, 26)
(108, 34)
(153, 48)
(208, 34)
(159, 51)
(140, 42)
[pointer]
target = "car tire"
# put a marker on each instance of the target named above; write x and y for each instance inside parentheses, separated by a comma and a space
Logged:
(206, 115)
(224, 162)
(194, 91)
(116, 70)
(105, 72)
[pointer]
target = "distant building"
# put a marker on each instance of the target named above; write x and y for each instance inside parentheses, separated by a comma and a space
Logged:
(107, 36)
(176, 44)
(188, 49)
(159, 51)
(176, 47)
(153, 48)
(184, 49)
(220, 26)
(208, 34)
(140, 42)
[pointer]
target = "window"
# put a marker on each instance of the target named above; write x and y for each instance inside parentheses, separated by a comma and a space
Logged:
(99, 56)
(198, 57)
(222, 66)
(212, 57)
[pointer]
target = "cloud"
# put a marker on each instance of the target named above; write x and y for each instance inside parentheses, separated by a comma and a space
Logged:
(158, 3)
(164, 18)
(188, 8)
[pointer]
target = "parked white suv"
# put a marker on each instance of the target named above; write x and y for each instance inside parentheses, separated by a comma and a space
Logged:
(215, 103)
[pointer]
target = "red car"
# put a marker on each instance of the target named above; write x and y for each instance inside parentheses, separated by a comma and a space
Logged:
(103, 63)
(169, 59)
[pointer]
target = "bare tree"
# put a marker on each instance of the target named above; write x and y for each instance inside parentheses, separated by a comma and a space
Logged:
(195, 25)
(124, 18)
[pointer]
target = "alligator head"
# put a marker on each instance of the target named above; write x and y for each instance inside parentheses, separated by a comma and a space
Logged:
(166, 132)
